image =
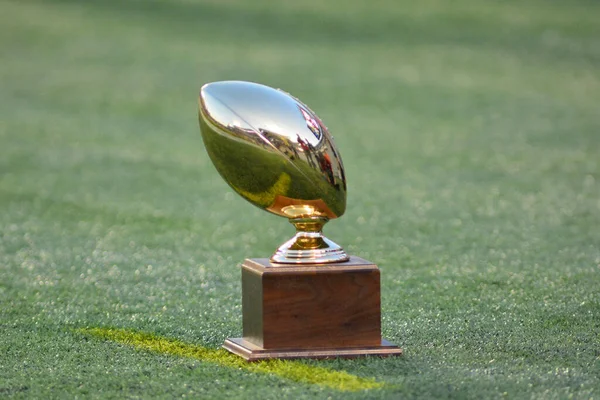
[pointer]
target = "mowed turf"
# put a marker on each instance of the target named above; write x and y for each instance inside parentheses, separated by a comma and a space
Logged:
(470, 133)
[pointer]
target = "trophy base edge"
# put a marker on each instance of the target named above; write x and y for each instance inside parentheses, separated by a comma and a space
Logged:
(329, 253)
(250, 352)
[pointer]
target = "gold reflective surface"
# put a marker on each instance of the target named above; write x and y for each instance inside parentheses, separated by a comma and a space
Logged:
(277, 154)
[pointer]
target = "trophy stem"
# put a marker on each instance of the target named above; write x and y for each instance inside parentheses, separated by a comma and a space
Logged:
(309, 246)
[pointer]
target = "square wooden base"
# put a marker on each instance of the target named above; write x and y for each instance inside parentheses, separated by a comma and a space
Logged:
(310, 311)
(251, 352)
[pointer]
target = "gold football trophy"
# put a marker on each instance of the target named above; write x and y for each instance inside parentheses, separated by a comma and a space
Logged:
(310, 299)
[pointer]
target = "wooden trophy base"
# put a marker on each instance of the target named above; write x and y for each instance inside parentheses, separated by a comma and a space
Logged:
(251, 352)
(310, 311)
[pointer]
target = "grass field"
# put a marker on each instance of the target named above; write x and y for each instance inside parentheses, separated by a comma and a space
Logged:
(470, 133)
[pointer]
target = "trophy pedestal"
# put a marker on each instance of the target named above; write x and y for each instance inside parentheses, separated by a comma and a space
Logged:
(310, 311)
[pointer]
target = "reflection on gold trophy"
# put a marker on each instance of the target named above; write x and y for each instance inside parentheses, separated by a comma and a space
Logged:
(310, 299)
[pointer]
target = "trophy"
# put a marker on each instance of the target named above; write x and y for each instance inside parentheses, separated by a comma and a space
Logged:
(309, 299)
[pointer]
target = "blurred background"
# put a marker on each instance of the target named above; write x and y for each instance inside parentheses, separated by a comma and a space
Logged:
(428, 100)
(469, 130)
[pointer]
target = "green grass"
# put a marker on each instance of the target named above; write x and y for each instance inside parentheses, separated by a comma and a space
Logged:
(470, 133)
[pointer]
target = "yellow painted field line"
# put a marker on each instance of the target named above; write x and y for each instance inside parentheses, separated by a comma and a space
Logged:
(295, 371)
